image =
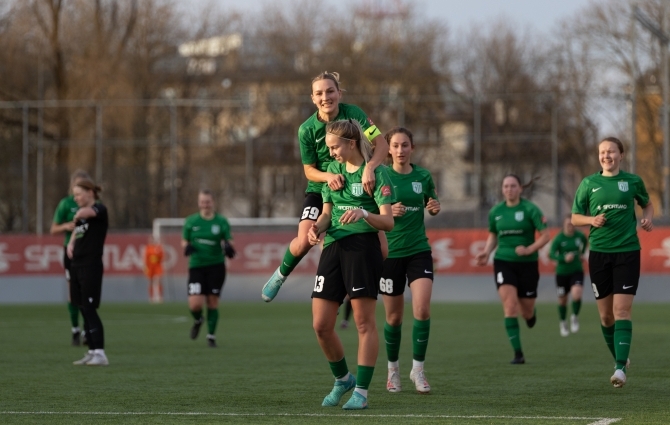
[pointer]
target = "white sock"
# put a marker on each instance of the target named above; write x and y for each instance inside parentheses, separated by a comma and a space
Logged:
(362, 392)
(91, 351)
(99, 351)
(417, 365)
(210, 336)
(75, 330)
(279, 272)
(344, 378)
(393, 365)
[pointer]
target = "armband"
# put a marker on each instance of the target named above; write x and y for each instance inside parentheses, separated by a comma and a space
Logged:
(372, 132)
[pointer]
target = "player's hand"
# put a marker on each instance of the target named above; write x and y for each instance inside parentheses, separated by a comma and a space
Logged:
(599, 220)
(369, 181)
(646, 224)
(433, 206)
(68, 227)
(522, 251)
(313, 235)
(70, 250)
(352, 216)
(482, 258)
(398, 209)
(335, 181)
(188, 250)
(229, 250)
(569, 257)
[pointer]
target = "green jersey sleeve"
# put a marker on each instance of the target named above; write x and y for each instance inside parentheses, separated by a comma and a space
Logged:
(308, 151)
(225, 228)
(641, 195)
(431, 191)
(581, 203)
(186, 231)
(539, 221)
(60, 215)
(492, 222)
(383, 187)
(553, 251)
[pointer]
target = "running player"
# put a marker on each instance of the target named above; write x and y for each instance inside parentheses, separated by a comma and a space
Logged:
(326, 95)
(512, 227)
(351, 262)
(202, 238)
(86, 269)
(606, 202)
(410, 259)
(63, 222)
(567, 249)
(153, 269)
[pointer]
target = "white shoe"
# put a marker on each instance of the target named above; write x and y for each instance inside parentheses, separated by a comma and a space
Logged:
(393, 381)
(98, 359)
(574, 324)
(563, 327)
(618, 379)
(87, 358)
(419, 378)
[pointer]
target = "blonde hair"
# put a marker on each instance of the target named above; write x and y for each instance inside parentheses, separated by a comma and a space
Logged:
(351, 130)
(325, 75)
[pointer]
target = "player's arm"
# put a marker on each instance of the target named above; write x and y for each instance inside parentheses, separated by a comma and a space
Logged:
(61, 228)
(334, 181)
(70, 246)
(84, 213)
(322, 224)
(647, 216)
(380, 153)
(587, 220)
(483, 256)
(553, 251)
(539, 242)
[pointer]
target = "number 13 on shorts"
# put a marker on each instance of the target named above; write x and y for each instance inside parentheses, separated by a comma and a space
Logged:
(318, 284)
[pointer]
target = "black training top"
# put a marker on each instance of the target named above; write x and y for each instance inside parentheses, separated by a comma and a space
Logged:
(90, 237)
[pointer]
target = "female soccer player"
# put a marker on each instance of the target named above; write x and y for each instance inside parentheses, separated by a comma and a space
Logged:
(512, 227)
(410, 259)
(567, 249)
(326, 95)
(351, 262)
(153, 269)
(202, 238)
(606, 202)
(85, 250)
(63, 222)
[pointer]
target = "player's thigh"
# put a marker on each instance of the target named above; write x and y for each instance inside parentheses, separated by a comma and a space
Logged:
(528, 273)
(626, 272)
(601, 273)
(362, 265)
(562, 285)
(324, 314)
(195, 283)
(75, 287)
(213, 279)
(394, 277)
(91, 284)
(328, 282)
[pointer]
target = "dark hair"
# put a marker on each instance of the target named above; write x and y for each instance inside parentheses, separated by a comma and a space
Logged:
(78, 174)
(351, 130)
(325, 75)
(89, 184)
(615, 141)
(523, 185)
(395, 130)
(206, 192)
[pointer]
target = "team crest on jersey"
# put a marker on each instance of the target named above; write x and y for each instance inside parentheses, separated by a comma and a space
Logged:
(623, 186)
(417, 187)
(216, 229)
(518, 216)
(357, 189)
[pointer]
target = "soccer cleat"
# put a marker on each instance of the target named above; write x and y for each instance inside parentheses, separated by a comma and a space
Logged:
(618, 379)
(87, 357)
(271, 288)
(195, 329)
(356, 402)
(99, 359)
(518, 358)
(531, 322)
(339, 389)
(344, 324)
(76, 339)
(419, 378)
(563, 327)
(393, 381)
(574, 324)
(211, 341)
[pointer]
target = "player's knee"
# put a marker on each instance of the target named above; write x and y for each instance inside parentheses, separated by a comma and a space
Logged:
(322, 328)
(365, 326)
(394, 319)
(422, 313)
(607, 318)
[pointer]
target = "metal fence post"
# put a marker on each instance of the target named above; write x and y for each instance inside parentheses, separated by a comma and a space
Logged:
(24, 199)
(478, 158)
(98, 143)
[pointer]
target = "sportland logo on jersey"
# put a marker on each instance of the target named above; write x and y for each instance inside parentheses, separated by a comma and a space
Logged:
(215, 229)
(357, 189)
(416, 187)
(518, 216)
(623, 186)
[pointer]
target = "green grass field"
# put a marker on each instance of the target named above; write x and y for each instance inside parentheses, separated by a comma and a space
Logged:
(269, 369)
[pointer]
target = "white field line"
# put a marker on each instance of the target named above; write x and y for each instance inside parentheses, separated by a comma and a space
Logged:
(599, 421)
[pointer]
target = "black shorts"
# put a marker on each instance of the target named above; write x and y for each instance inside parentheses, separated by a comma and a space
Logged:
(67, 263)
(352, 265)
(523, 275)
(312, 206)
(614, 273)
(565, 282)
(206, 280)
(86, 285)
(398, 271)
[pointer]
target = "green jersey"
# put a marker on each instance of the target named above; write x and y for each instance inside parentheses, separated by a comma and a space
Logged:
(515, 226)
(353, 196)
(614, 196)
(312, 137)
(206, 237)
(408, 236)
(65, 212)
(564, 244)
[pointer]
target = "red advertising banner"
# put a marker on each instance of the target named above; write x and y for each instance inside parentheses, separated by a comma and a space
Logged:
(453, 252)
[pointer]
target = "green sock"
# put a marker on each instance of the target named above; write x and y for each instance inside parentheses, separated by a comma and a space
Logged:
(212, 319)
(392, 336)
(623, 334)
(364, 376)
(562, 311)
(420, 332)
(74, 314)
(512, 326)
(576, 306)
(608, 333)
(339, 368)
(197, 315)
(289, 262)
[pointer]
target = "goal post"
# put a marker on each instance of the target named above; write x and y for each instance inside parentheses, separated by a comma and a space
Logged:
(249, 222)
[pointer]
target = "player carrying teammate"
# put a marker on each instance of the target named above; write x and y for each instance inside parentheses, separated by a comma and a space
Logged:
(606, 202)
(567, 249)
(410, 259)
(326, 95)
(512, 227)
(202, 238)
(351, 262)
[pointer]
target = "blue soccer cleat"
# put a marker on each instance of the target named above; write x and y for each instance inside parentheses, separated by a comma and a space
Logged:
(356, 402)
(339, 389)
(271, 288)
